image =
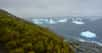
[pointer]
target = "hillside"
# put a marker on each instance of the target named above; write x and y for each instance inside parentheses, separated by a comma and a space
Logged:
(20, 36)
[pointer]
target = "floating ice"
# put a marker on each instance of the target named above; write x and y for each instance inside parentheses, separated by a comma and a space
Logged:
(48, 21)
(39, 21)
(78, 22)
(44, 21)
(62, 20)
(82, 40)
(52, 21)
(88, 34)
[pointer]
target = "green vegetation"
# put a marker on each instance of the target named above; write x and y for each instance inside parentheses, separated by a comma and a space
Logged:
(20, 36)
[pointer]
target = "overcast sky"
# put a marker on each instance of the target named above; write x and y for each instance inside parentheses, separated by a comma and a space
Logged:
(32, 8)
(91, 7)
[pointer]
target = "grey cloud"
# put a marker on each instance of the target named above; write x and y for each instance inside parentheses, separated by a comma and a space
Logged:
(91, 8)
(31, 8)
(20, 3)
(27, 8)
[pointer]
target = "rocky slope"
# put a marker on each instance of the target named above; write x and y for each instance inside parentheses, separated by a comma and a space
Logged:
(85, 47)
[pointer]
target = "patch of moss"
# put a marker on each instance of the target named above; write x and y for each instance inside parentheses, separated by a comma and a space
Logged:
(20, 36)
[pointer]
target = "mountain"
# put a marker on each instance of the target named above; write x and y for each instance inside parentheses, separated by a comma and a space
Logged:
(20, 36)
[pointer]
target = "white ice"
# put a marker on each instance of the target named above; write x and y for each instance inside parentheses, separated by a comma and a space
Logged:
(62, 20)
(78, 22)
(52, 21)
(88, 34)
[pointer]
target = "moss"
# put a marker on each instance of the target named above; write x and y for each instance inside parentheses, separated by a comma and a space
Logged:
(17, 50)
(20, 36)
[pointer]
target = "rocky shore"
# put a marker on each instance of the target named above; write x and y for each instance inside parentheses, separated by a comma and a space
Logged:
(86, 47)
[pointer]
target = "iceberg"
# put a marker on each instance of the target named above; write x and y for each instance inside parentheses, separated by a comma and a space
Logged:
(51, 21)
(88, 34)
(48, 21)
(40, 21)
(78, 22)
(62, 20)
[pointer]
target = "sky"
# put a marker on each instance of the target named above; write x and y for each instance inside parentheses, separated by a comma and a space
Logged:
(33, 8)
(91, 7)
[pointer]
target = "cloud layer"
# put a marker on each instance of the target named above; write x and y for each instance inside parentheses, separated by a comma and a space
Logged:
(31, 8)
(41, 7)
(91, 7)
